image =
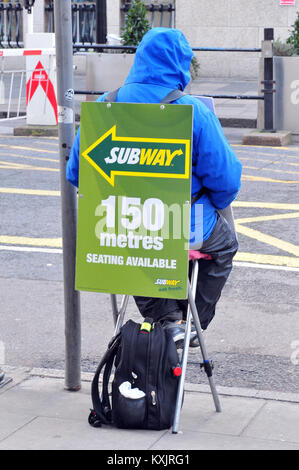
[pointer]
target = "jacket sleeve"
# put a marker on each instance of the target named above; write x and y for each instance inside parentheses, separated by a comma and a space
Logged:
(214, 162)
(72, 167)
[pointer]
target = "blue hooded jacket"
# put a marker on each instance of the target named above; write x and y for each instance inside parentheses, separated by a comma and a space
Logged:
(162, 63)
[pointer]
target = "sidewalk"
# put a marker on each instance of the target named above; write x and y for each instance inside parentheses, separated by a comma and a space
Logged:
(37, 413)
(231, 112)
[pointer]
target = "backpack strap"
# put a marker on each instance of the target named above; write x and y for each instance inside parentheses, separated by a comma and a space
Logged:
(173, 96)
(129, 331)
(111, 97)
(101, 414)
(197, 196)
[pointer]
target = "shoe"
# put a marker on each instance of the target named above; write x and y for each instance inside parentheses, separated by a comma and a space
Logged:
(177, 330)
(194, 343)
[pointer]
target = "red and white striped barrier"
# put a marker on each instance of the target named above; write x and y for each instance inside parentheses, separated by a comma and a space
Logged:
(26, 52)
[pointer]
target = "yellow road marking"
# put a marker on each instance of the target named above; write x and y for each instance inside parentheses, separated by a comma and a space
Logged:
(265, 147)
(247, 231)
(268, 239)
(31, 241)
(289, 163)
(33, 149)
(257, 258)
(271, 169)
(266, 205)
(28, 157)
(31, 192)
(275, 260)
(268, 161)
(53, 144)
(22, 166)
(40, 137)
(264, 238)
(268, 180)
(263, 218)
(257, 204)
(268, 154)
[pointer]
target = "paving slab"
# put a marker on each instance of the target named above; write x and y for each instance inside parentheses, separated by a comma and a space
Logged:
(51, 433)
(189, 440)
(199, 414)
(37, 413)
(276, 421)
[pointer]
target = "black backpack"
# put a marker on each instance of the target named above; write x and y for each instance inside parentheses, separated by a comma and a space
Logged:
(145, 358)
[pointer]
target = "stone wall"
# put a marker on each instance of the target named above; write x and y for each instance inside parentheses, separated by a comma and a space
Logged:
(224, 23)
(232, 23)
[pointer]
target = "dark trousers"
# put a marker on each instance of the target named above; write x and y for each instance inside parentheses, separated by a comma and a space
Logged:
(222, 245)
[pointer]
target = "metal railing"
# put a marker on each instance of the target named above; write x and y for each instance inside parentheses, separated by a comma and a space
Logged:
(88, 20)
(11, 24)
(12, 94)
(84, 16)
(159, 15)
(83, 21)
(268, 82)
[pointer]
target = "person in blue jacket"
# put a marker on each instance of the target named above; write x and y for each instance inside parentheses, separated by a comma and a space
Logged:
(162, 64)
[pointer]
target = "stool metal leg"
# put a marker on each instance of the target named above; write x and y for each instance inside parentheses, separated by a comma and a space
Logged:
(206, 363)
(113, 299)
(192, 312)
(119, 314)
(184, 360)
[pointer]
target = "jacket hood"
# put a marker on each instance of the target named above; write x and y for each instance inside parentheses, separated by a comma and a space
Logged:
(163, 58)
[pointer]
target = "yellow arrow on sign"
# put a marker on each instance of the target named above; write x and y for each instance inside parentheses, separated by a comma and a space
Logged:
(112, 155)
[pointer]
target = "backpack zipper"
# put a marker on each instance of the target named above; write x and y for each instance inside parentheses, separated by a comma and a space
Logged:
(153, 395)
(147, 375)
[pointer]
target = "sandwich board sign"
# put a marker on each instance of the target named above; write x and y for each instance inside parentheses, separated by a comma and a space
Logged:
(134, 199)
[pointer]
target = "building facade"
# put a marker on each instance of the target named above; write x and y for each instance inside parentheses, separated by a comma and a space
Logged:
(206, 23)
(222, 23)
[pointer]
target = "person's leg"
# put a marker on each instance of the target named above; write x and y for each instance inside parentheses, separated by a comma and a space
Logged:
(168, 313)
(158, 309)
(222, 245)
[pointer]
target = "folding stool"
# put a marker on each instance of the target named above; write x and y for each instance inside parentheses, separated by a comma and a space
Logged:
(119, 314)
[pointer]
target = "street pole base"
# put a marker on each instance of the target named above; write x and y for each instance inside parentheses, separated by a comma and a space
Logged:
(73, 389)
(5, 381)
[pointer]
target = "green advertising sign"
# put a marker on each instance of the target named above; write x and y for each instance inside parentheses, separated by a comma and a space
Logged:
(134, 199)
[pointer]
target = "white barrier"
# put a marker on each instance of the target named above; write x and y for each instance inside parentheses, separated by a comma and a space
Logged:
(41, 87)
(26, 52)
(40, 91)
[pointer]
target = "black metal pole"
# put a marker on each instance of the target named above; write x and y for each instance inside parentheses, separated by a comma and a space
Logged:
(101, 12)
(268, 79)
